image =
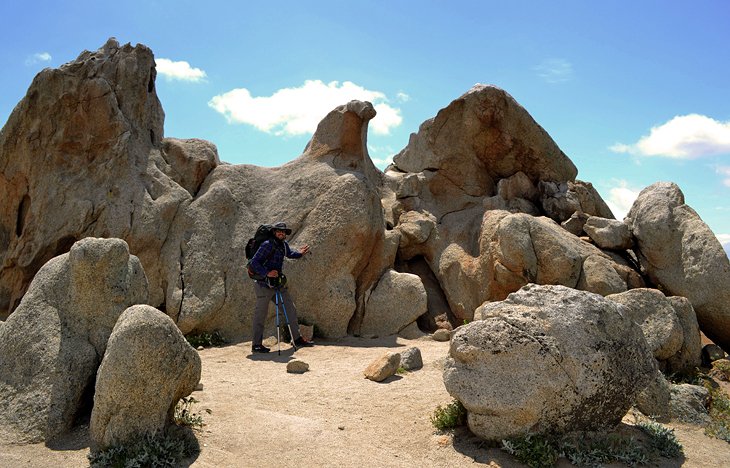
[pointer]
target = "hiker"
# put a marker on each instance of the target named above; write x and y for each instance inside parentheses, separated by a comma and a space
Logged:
(267, 263)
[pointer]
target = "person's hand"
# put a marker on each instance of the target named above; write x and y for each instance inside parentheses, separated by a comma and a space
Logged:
(272, 274)
(304, 249)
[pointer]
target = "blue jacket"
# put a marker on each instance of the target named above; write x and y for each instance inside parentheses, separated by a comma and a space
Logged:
(270, 256)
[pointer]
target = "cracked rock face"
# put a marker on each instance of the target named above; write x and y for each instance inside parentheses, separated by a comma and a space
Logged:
(548, 359)
(81, 156)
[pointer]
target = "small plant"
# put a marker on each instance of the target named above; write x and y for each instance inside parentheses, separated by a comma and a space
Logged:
(206, 340)
(719, 428)
(401, 370)
(184, 415)
(158, 451)
(449, 417)
(533, 450)
(661, 439)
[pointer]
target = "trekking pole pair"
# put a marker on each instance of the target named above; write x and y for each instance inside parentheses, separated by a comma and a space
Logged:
(279, 299)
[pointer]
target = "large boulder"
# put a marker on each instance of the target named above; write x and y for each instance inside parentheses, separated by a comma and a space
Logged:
(548, 359)
(82, 155)
(328, 196)
(680, 254)
(670, 331)
(148, 366)
(397, 301)
(51, 346)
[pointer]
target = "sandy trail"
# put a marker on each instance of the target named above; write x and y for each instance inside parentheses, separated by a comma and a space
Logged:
(262, 416)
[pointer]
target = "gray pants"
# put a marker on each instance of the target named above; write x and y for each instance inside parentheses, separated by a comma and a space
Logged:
(265, 295)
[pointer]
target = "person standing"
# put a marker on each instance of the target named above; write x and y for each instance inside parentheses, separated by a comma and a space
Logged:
(268, 262)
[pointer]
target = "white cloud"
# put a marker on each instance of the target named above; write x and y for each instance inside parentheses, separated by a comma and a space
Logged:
(555, 70)
(725, 241)
(179, 71)
(683, 137)
(38, 58)
(402, 97)
(381, 156)
(621, 198)
(297, 111)
(724, 171)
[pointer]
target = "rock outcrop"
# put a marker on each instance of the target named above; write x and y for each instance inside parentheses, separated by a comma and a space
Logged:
(547, 359)
(52, 345)
(82, 156)
(471, 206)
(148, 366)
(681, 255)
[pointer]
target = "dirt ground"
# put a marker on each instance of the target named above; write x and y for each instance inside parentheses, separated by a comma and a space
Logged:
(257, 414)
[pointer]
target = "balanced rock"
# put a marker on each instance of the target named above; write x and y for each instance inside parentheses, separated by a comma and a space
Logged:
(148, 366)
(547, 359)
(51, 346)
(608, 233)
(681, 254)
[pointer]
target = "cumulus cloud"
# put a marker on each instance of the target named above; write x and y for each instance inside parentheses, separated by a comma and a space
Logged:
(621, 198)
(297, 111)
(181, 71)
(683, 137)
(39, 57)
(555, 70)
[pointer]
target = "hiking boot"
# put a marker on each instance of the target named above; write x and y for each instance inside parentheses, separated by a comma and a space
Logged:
(302, 343)
(259, 349)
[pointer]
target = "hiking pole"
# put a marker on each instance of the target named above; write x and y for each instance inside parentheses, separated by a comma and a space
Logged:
(286, 318)
(278, 337)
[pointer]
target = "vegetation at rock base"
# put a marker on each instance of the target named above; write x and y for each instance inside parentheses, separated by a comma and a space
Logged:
(184, 414)
(151, 450)
(719, 406)
(720, 415)
(206, 340)
(157, 450)
(450, 416)
(595, 449)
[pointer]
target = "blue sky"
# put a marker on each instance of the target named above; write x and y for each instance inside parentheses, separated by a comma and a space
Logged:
(633, 92)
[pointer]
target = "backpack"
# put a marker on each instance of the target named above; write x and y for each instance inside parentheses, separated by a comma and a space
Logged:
(263, 233)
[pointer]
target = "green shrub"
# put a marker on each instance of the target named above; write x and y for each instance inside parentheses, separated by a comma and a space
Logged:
(205, 339)
(595, 449)
(184, 415)
(155, 451)
(533, 450)
(449, 417)
(661, 439)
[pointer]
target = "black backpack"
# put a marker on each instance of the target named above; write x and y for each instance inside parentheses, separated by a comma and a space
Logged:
(263, 233)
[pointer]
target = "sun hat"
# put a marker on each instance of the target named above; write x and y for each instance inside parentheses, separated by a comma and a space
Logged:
(281, 226)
